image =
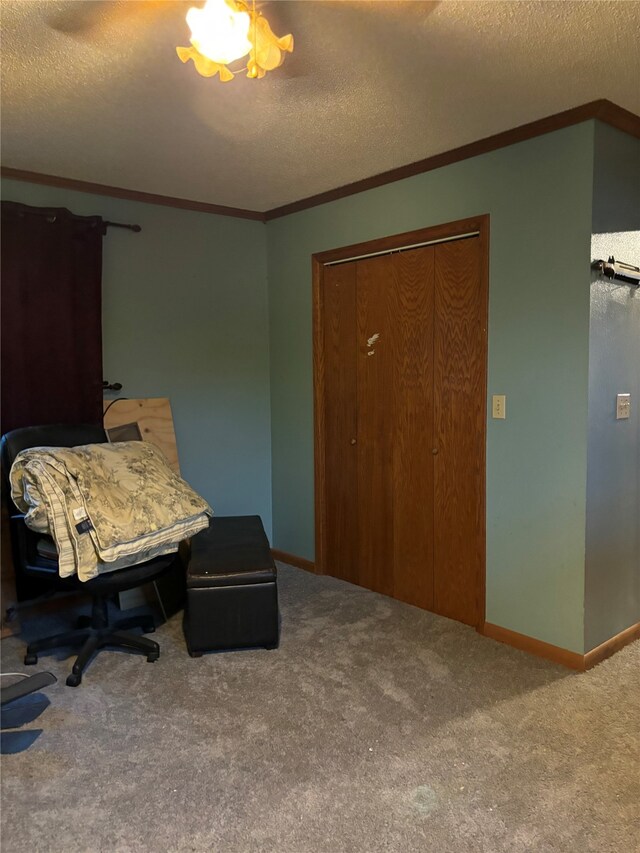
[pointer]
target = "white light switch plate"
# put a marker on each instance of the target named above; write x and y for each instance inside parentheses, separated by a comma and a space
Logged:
(499, 406)
(623, 406)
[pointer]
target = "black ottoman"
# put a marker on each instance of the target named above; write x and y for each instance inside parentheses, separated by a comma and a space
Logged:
(232, 597)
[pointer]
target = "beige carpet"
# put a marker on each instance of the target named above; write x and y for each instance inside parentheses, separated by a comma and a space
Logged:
(374, 727)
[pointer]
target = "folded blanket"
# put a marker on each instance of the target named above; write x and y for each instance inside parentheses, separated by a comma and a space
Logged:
(107, 506)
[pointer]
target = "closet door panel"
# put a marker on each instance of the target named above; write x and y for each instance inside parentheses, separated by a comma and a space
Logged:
(459, 414)
(412, 295)
(340, 364)
(376, 427)
(404, 363)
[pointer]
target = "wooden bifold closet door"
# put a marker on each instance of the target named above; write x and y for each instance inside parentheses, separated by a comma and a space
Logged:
(404, 364)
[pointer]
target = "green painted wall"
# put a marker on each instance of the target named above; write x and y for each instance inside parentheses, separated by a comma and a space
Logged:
(612, 576)
(185, 316)
(539, 196)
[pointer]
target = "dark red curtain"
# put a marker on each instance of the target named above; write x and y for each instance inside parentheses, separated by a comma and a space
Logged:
(51, 316)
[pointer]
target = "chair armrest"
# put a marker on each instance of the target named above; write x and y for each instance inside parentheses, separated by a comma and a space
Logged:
(25, 553)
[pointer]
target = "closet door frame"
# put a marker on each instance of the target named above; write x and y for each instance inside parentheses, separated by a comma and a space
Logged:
(446, 231)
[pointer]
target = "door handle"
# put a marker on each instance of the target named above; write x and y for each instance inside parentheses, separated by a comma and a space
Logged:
(435, 451)
(353, 441)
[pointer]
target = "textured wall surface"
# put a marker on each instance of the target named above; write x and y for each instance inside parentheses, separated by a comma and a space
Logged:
(538, 194)
(185, 317)
(612, 580)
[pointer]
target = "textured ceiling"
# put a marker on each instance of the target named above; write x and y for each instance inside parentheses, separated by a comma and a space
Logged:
(95, 91)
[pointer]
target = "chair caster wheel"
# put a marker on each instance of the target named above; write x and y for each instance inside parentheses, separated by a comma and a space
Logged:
(152, 657)
(149, 629)
(30, 659)
(74, 679)
(195, 654)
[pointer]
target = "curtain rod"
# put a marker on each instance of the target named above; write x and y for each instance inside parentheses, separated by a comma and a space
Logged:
(136, 228)
(52, 213)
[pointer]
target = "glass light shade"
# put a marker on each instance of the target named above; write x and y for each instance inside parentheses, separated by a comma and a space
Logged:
(220, 31)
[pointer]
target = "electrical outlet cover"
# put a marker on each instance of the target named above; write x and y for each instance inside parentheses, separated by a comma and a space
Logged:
(499, 406)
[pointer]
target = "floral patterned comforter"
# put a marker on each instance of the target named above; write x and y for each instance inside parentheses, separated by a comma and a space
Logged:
(107, 506)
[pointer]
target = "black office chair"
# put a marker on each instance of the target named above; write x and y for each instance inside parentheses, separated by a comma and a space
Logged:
(35, 555)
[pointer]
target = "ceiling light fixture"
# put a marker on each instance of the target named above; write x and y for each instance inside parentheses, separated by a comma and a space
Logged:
(224, 31)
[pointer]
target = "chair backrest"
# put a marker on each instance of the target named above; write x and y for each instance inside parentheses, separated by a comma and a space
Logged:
(52, 435)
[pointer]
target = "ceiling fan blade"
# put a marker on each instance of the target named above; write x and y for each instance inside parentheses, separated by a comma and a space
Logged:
(316, 25)
(77, 17)
(97, 17)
